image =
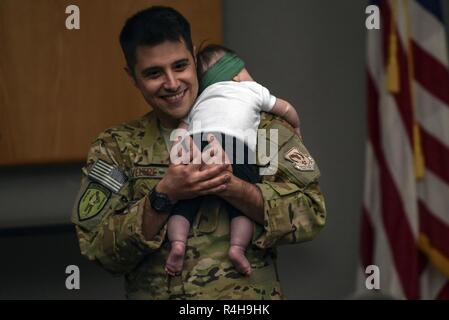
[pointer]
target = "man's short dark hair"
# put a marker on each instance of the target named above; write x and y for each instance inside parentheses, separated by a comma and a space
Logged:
(151, 27)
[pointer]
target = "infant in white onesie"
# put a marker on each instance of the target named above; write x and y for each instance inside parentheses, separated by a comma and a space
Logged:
(228, 108)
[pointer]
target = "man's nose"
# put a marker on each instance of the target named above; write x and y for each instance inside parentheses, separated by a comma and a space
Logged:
(171, 81)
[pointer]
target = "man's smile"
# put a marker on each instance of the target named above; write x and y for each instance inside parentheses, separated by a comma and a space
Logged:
(174, 97)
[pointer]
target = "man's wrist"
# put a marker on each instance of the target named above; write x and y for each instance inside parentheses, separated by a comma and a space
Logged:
(233, 189)
(246, 197)
(161, 187)
(160, 201)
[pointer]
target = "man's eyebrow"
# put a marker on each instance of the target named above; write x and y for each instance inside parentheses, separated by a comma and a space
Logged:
(157, 68)
(181, 61)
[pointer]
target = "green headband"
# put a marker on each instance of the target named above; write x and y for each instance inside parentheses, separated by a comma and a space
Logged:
(224, 69)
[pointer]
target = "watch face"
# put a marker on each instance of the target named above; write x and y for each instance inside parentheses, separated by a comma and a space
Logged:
(158, 203)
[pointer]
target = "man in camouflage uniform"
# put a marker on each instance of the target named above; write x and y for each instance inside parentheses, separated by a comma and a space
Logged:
(119, 227)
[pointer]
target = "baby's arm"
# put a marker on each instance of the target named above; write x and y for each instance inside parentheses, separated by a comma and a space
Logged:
(286, 111)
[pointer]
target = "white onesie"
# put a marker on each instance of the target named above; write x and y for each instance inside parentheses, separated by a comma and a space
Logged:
(232, 108)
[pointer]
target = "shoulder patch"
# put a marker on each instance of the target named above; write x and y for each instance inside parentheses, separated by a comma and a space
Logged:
(92, 201)
(301, 161)
(107, 175)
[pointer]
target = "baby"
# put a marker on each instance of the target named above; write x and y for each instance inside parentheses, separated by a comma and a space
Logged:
(228, 108)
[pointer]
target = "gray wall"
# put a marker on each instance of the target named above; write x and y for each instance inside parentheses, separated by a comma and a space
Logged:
(310, 53)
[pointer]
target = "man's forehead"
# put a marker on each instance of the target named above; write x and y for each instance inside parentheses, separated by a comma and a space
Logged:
(162, 54)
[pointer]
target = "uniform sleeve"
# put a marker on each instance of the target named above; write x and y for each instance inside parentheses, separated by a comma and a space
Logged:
(294, 208)
(108, 221)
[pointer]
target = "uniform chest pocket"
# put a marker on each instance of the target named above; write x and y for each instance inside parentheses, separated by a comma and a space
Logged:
(144, 178)
(142, 186)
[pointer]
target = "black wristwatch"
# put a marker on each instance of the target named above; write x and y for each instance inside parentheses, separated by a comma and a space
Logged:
(160, 202)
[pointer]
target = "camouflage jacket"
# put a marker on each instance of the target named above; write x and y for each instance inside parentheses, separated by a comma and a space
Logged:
(126, 161)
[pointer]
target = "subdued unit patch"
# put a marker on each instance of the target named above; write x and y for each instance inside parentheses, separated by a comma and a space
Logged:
(301, 161)
(93, 201)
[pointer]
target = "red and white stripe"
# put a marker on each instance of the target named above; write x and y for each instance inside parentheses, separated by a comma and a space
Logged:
(398, 207)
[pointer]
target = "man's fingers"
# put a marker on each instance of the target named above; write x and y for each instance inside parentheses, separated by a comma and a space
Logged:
(210, 172)
(214, 183)
(210, 137)
(215, 153)
(215, 190)
(180, 152)
(195, 153)
(208, 156)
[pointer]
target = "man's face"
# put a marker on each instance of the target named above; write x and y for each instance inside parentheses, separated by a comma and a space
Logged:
(166, 76)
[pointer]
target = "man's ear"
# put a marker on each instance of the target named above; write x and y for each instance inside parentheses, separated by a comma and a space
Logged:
(131, 75)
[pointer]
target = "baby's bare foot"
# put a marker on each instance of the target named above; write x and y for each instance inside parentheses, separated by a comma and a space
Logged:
(237, 256)
(175, 259)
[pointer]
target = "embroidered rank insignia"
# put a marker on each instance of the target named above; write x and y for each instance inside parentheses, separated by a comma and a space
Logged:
(300, 161)
(107, 175)
(93, 201)
(148, 172)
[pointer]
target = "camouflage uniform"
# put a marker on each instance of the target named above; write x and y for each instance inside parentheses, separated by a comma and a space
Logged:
(109, 223)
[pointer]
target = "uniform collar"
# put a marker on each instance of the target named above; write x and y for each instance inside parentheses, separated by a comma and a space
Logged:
(153, 141)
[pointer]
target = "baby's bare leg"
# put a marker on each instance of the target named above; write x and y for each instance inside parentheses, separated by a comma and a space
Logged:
(177, 231)
(241, 234)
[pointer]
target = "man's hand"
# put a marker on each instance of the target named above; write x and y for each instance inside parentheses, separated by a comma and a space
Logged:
(186, 181)
(193, 180)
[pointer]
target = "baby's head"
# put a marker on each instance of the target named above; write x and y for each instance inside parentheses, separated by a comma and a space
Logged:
(218, 63)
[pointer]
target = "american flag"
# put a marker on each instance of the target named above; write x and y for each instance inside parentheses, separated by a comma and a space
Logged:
(405, 218)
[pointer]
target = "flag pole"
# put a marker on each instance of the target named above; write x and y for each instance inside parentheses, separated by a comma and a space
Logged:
(417, 146)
